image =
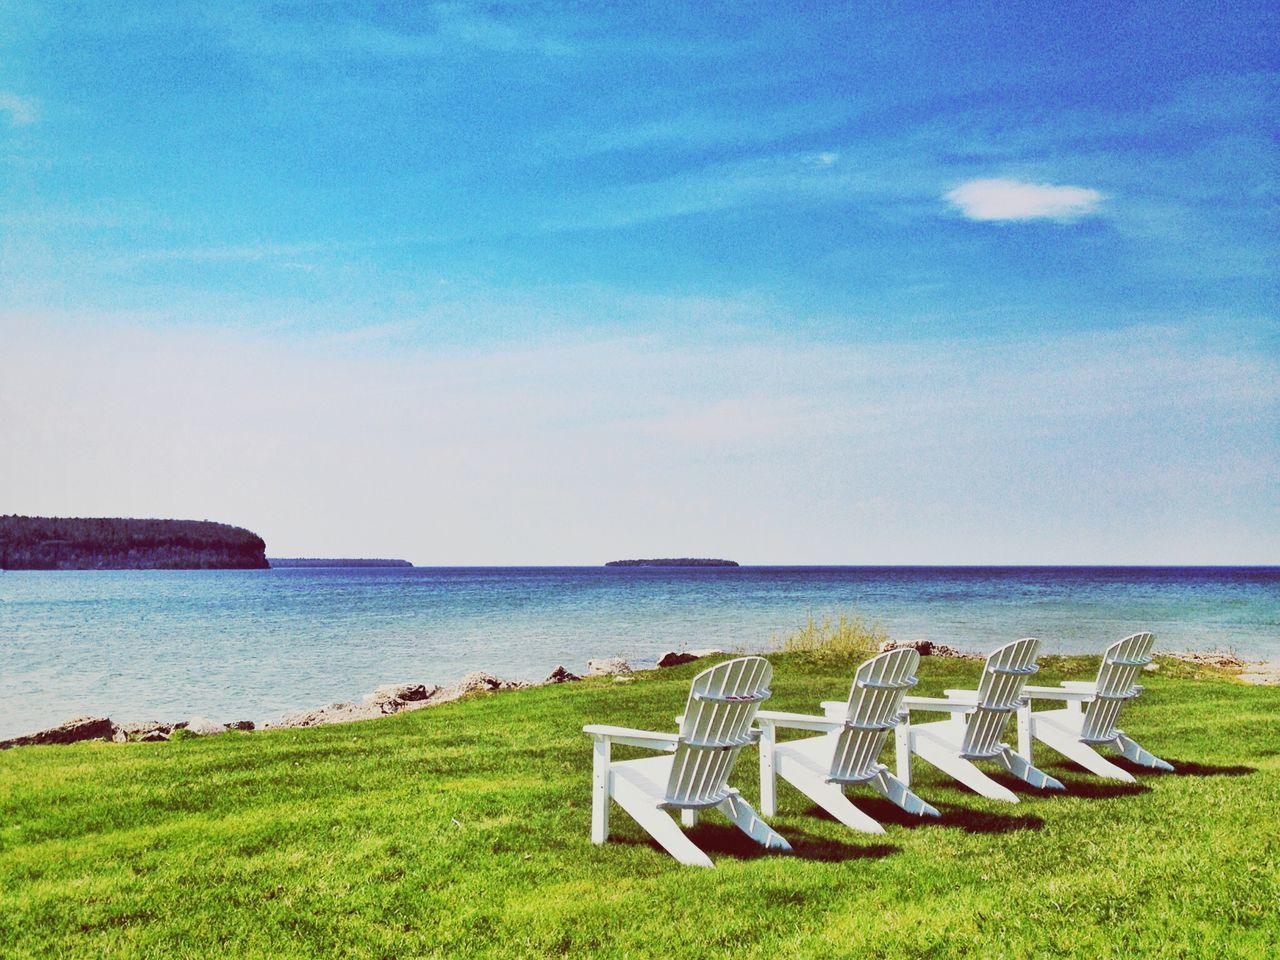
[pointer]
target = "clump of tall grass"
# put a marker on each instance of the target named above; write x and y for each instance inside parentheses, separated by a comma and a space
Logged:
(847, 636)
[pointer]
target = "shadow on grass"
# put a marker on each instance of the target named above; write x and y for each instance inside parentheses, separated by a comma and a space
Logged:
(1096, 789)
(718, 840)
(953, 815)
(1184, 768)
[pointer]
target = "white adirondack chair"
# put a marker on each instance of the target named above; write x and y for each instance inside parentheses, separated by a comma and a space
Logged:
(978, 721)
(847, 752)
(1092, 708)
(716, 725)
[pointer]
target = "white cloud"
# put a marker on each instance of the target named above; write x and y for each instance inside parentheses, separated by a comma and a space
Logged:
(998, 199)
(22, 111)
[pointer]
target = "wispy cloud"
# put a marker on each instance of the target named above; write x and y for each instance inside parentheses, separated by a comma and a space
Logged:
(430, 32)
(700, 129)
(800, 178)
(999, 199)
(21, 111)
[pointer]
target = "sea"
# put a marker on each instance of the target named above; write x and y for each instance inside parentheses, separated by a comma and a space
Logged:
(252, 644)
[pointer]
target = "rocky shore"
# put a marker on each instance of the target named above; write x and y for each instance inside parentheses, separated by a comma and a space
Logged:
(386, 700)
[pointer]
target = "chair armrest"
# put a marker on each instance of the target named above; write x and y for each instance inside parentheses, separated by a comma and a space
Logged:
(648, 739)
(1057, 693)
(830, 707)
(937, 704)
(798, 721)
(1090, 685)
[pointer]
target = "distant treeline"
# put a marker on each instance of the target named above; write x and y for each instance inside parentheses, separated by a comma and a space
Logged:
(673, 562)
(335, 562)
(57, 543)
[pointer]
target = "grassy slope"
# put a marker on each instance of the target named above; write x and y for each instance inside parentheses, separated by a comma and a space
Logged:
(462, 830)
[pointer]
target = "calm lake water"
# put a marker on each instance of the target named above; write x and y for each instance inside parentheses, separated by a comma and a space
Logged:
(251, 644)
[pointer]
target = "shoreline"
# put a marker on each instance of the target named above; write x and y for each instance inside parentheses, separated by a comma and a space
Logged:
(389, 699)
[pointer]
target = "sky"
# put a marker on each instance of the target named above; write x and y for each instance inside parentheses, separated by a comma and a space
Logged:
(510, 283)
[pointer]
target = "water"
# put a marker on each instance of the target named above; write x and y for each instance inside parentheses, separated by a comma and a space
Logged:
(251, 644)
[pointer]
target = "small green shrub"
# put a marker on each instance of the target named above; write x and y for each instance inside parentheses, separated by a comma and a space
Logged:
(848, 636)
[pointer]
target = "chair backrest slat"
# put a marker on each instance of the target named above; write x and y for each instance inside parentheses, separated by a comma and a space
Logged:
(1117, 684)
(722, 706)
(999, 694)
(875, 700)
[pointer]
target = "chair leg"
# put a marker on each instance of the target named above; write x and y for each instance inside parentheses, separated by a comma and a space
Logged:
(749, 822)
(768, 778)
(600, 791)
(659, 825)
(1022, 768)
(1024, 732)
(896, 792)
(966, 772)
(1133, 751)
(902, 751)
(1081, 753)
(689, 818)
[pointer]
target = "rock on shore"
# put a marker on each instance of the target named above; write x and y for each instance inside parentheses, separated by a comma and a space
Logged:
(927, 648)
(561, 675)
(607, 667)
(73, 731)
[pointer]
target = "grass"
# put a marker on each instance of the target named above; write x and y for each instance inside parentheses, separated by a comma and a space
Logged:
(848, 636)
(463, 831)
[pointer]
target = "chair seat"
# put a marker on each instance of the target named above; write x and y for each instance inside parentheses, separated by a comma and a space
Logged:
(650, 776)
(1068, 721)
(950, 736)
(942, 731)
(813, 755)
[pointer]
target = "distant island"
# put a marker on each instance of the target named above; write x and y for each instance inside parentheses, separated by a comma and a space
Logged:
(116, 543)
(334, 562)
(674, 562)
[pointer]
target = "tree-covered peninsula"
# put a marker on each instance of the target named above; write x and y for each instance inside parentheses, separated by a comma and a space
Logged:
(110, 543)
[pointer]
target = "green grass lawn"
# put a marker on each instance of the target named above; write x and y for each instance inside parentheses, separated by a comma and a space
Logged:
(462, 830)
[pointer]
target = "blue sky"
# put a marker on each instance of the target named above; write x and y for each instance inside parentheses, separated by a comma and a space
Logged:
(486, 283)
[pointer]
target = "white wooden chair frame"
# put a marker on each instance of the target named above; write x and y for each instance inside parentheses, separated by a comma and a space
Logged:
(1088, 719)
(973, 731)
(847, 752)
(716, 725)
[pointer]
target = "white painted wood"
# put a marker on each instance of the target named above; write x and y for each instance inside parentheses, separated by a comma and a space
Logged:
(748, 821)
(1024, 731)
(1060, 729)
(1092, 711)
(600, 790)
(853, 732)
(902, 749)
(659, 825)
(768, 783)
(1132, 751)
(715, 726)
(938, 744)
(649, 739)
(976, 726)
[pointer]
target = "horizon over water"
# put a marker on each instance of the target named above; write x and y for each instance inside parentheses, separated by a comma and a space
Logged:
(251, 644)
